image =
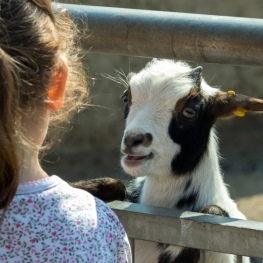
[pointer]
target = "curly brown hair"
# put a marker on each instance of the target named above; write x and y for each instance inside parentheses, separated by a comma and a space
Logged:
(32, 39)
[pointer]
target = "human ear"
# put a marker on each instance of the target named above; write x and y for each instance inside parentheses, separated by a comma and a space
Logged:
(56, 90)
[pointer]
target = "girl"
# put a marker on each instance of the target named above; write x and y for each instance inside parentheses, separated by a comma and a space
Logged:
(43, 219)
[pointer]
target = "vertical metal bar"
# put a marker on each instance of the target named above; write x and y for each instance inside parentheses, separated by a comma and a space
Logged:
(239, 259)
(202, 256)
(132, 244)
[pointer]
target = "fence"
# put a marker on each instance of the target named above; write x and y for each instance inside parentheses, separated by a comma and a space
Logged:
(203, 38)
(191, 229)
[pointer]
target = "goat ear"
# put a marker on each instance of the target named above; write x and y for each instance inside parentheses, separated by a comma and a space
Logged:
(228, 104)
(196, 74)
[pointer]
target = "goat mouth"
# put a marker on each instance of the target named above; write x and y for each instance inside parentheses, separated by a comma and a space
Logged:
(134, 159)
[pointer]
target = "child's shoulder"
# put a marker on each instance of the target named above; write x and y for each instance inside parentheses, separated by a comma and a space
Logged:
(63, 219)
(78, 200)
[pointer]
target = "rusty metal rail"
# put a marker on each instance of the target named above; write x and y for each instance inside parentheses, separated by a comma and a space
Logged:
(192, 37)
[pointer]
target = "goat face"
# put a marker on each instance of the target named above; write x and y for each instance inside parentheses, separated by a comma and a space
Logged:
(163, 108)
(169, 112)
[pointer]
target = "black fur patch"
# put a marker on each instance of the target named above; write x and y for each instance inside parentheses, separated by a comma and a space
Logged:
(187, 185)
(192, 134)
(126, 110)
(165, 257)
(134, 192)
(187, 255)
(187, 202)
(127, 102)
(104, 188)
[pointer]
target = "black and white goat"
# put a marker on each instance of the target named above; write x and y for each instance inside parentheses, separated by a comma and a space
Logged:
(170, 144)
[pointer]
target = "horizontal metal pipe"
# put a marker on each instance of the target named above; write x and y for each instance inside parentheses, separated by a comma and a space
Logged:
(192, 37)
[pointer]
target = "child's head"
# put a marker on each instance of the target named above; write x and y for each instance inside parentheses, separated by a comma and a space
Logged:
(34, 44)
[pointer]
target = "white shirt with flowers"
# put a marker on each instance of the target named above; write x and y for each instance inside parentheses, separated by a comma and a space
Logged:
(50, 221)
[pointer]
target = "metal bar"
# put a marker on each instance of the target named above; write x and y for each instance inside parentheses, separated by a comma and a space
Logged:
(189, 229)
(132, 244)
(202, 256)
(192, 37)
(239, 259)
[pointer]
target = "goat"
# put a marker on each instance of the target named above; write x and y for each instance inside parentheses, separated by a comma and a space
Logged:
(170, 146)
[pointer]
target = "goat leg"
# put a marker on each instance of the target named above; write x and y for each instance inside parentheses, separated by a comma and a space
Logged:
(106, 188)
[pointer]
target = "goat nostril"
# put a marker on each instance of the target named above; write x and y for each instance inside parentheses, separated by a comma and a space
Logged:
(148, 139)
(132, 141)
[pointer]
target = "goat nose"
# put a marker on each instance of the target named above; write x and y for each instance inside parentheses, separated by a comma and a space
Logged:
(138, 139)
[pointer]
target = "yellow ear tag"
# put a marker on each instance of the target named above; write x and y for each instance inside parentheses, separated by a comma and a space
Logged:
(239, 112)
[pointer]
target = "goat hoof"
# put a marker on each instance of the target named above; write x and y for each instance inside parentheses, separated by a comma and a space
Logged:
(214, 210)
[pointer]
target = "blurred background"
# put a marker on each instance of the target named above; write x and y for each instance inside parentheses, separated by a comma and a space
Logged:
(91, 148)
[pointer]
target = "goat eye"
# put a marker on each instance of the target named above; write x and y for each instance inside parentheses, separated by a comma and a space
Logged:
(125, 97)
(189, 113)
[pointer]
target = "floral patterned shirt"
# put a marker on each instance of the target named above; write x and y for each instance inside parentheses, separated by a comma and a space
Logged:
(50, 221)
